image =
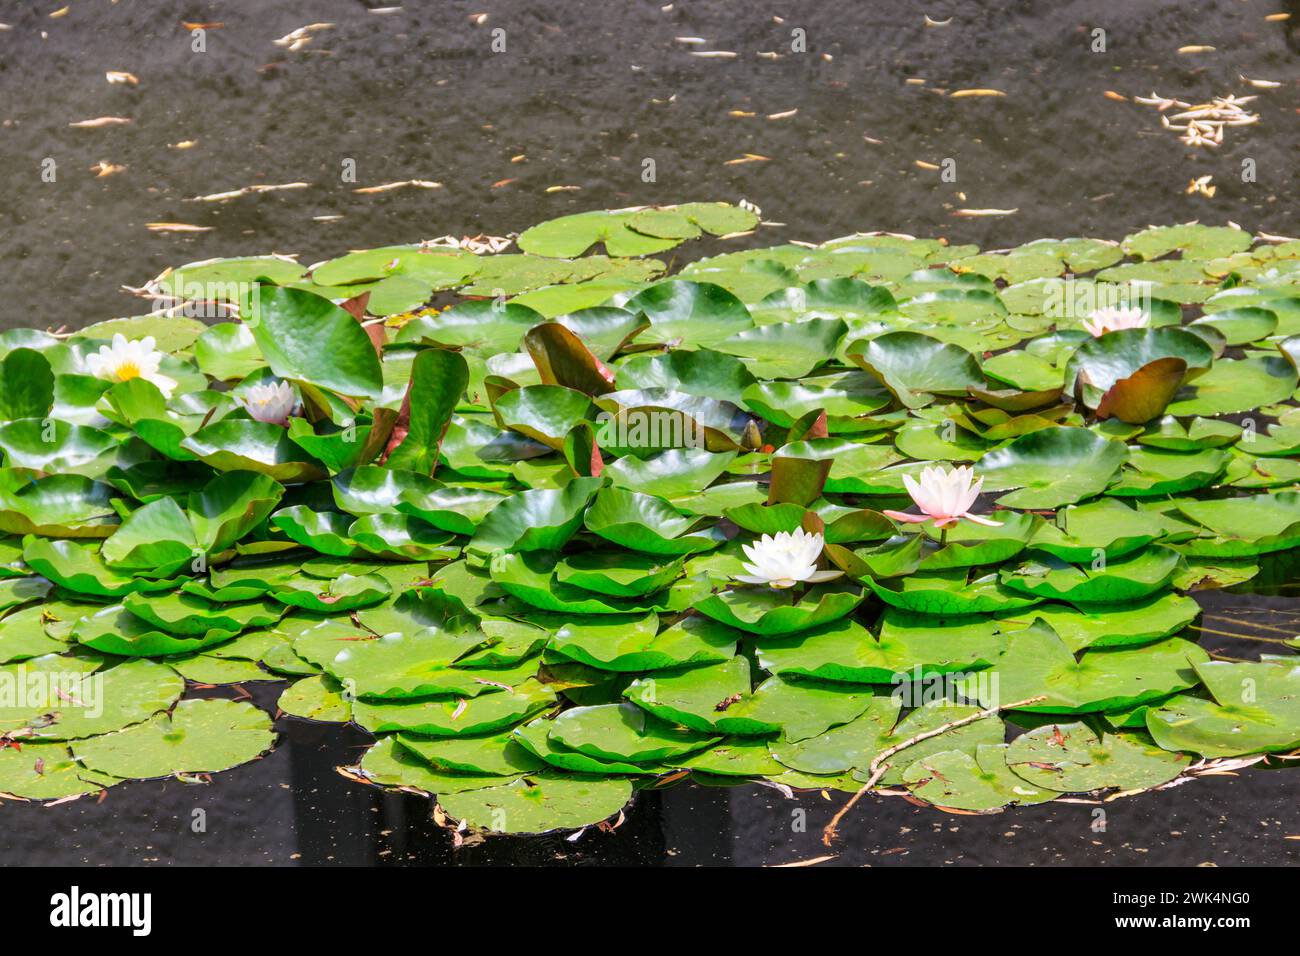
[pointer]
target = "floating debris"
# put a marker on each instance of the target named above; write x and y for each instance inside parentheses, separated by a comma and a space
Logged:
(388, 187)
(175, 227)
(1196, 48)
(715, 54)
(976, 213)
(931, 22)
(780, 116)
(184, 144)
(299, 38)
(563, 189)
(959, 94)
(1201, 186)
(245, 191)
(1202, 124)
(118, 77)
(1260, 84)
(690, 41)
(104, 168)
(748, 158)
(1118, 97)
(99, 121)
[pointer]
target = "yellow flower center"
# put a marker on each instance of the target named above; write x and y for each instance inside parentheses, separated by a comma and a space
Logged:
(127, 370)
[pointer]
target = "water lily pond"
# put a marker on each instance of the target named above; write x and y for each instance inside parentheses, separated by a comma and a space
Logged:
(558, 528)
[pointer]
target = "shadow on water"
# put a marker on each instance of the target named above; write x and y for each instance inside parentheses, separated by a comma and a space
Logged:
(586, 92)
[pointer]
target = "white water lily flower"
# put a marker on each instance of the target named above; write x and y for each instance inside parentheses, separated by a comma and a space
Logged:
(945, 496)
(785, 560)
(125, 360)
(270, 403)
(1112, 319)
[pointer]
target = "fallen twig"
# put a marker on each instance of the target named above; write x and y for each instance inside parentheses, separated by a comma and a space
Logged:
(879, 767)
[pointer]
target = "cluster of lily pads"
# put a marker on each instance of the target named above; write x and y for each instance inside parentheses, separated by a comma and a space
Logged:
(578, 529)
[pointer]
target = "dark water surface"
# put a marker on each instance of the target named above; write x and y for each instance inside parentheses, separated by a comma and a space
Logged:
(586, 92)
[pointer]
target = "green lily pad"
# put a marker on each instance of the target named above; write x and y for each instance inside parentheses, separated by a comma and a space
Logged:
(307, 338)
(1037, 662)
(332, 597)
(955, 780)
(55, 506)
(617, 573)
(1104, 527)
(318, 697)
(1158, 471)
(915, 367)
(187, 614)
(1051, 467)
(540, 519)
(1071, 758)
(1255, 709)
(537, 804)
(624, 732)
(646, 523)
(496, 755)
(530, 577)
(1245, 526)
(764, 610)
(717, 698)
(1113, 625)
(452, 718)
(1128, 578)
(47, 772)
(1237, 385)
(389, 763)
(699, 313)
(635, 645)
(852, 747)
(949, 592)
(78, 568)
(535, 738)
(909, 647)
(198, 736)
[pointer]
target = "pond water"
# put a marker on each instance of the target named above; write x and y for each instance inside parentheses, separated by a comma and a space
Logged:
(586, 92)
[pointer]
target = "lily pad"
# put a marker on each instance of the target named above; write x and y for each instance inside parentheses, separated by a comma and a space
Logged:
(1255, 709)
(1037, 662)
(198, 736)
(634, 645)
(47, 772)
(956, 780)
(1052, 467)
(1071, 758)
(539, 803)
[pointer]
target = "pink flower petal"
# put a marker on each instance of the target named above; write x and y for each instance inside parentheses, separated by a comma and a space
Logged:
(902, 516)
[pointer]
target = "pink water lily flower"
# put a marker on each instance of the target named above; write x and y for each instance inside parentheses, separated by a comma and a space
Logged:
(786, 559)
(945, 496)
(1112, 319)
